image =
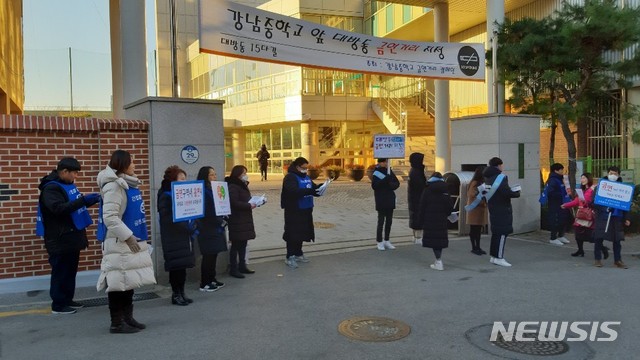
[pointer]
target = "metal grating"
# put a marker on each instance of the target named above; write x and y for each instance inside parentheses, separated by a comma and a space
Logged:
(535, 347)
(372, 328)
(105, 301)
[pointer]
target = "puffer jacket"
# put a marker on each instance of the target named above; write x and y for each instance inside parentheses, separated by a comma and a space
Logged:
(121, 269)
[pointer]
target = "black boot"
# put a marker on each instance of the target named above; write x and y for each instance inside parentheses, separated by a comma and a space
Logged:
(118, 325)
(189, 301)
(244, 269)
(578, 253)
(177, 299)
(128, 318)
(233, 263)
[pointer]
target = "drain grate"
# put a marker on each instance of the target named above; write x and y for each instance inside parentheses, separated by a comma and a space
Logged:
(104, 300)
(535, 347)
(370, 328)
(323, 225)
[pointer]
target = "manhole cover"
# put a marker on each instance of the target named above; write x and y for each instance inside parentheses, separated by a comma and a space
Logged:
(323, 225)
(535, 347)
(370, 328)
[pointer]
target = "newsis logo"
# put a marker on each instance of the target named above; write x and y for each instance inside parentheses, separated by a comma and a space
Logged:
(468, 60)
(555, 331)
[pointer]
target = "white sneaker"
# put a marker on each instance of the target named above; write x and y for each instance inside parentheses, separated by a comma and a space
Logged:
(302, 259)
(387, 245)
(555, 242)
(501, 262)
(437, 265)
(564, 240)
(492, 259)
(381, 246)
(291, 262)
(417, 241)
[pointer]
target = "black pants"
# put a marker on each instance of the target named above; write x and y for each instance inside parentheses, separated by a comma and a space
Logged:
(120, 300)
(498, 242)
(237, 253)
(294, 247)
(385, 217)
(64, 268)
(475, 232)
(177, 278)
(263, 172)
(557, 221)
(437, 253)
(208, 269)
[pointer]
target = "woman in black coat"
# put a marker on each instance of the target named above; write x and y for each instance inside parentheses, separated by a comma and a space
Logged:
(384, 184)
(241, 228)
(177, 247)
(212, 239)
(435, 207)
(417, 181)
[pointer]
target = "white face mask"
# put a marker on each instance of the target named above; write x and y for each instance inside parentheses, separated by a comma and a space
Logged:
(244, 178)
(302, 171)
(612, 177)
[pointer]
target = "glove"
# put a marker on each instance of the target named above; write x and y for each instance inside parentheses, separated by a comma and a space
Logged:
(91, 199)
(132, 242)
(223, 224)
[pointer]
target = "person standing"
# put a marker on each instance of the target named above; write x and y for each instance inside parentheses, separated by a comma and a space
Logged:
(126, 262)
(476, 211)
(296, 199)
(241, 228)
(177, 246)
(417, 182)
(557, 195)
(212, 239)
(500, 212)
(435, 207)
(263, 160)
(583, 233)
(384, 183)
(62, 221)
(616, 219)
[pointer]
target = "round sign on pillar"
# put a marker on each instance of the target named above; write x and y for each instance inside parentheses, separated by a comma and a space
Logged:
(189, 154)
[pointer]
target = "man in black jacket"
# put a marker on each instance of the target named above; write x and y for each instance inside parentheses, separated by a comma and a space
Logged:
(384, 183)
(64, 218)
(500, 212)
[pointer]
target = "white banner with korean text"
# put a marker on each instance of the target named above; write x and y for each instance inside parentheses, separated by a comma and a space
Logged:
(228, 28)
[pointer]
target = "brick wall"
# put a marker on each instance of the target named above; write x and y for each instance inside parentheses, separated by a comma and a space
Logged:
(30, 147)
(560, 150)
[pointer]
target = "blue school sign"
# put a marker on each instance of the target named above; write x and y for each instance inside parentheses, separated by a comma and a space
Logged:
(614, 194)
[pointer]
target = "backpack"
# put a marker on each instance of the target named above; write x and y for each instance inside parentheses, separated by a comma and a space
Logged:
(544, 198)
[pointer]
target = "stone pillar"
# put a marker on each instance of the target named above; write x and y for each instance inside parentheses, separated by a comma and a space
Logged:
(238, 146)
(307, 141)
(116, 59)
(442, 132)
(495, 17)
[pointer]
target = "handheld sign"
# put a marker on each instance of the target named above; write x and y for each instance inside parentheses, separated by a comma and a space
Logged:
(388, 146)
(614, 194)
(221, 198)
(188, 200)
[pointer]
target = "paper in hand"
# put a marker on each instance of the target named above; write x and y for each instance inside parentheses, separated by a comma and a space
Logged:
(320, 191)
(453, 217)
(580, 194)
(258, 200)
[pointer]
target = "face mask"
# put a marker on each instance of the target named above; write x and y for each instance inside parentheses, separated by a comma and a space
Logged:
(612, 177)
(244, 178)
(302, 171)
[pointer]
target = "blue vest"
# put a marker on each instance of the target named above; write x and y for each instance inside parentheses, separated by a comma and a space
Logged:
(306, 202)
(81, 218)
(133, 217)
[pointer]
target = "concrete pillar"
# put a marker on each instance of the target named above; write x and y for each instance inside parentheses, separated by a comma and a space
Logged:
(238, 146)
(495, 17)
(116, 59)
(306, 141)
(442, 132)
(134, 51)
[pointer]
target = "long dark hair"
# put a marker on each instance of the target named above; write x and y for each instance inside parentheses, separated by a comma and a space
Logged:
(477, 176)
(589, 181)
(203, 174)
(237, 171)
(120, 161)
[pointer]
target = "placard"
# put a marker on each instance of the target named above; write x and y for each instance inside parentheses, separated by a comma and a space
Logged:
(388, 146)
(221, 201)
(614, 194)
(188, 200)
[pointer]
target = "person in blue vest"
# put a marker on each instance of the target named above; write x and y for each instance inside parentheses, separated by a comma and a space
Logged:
(122, 229)
(557, 195)
(297, 201)
(63, 219)
(500, 212)
(384, 184)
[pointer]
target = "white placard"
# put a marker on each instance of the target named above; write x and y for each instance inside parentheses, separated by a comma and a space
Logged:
(614, 194)
(188, 200)
(228, 28)
(221, 201)
(388, 146)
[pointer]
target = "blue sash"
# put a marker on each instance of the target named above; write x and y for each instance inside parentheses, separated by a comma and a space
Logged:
(494, 187)
(475, 202)
(133, 217)
(81, 218)
(306, 202)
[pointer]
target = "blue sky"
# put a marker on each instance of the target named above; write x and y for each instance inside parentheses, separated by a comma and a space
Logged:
(49, 29)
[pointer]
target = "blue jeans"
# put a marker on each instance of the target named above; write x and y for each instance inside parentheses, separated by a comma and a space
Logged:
(617, 250)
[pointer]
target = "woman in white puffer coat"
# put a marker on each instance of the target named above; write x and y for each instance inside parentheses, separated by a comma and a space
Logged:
(126, 262)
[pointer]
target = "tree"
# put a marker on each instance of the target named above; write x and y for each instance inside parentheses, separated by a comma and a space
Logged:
(561, 65)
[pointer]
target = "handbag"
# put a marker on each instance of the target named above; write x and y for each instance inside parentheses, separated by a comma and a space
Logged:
(584, 217)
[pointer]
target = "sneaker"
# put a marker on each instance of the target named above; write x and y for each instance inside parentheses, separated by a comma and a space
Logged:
(492, 259)
(417, 241)
(209, 288)
(302, 259)
(387, 245)
(437, 265)
(65, 310)
(380, 246)
(501, 262)
(291, 262)
(218, 283)
(76, 305)
(563, 240)
(556, 242)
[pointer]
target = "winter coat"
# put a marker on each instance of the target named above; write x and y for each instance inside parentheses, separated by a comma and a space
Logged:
(298, 223)
(384, 189)
(589, 193)
(435, 207)
(477, 216)
(212, 238)
(615, 232)
(263, 157)
(60, 234)
(241, 218)
(500, 211)
(121, 269)
(417, 182)
(177, 247)
(556, 193)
